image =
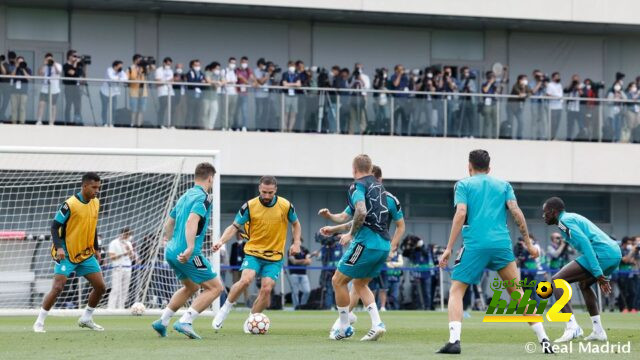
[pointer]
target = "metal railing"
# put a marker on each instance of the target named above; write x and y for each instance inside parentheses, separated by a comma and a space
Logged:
(321, 110)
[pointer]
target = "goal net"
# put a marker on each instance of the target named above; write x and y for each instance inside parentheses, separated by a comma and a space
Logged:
(138, 189)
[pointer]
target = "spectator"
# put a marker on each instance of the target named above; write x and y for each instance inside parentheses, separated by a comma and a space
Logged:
(213, 77)
(539, 107)
(399, 81)
(245, 78)
(574, 114)
(419, 116)
(381, 103)
(530, 268)
(627, 279)
(165, 91)
(489, 106)
(194, 95)
(558, 252)
(179, 100)
(632, 113)
(290, 80)
(332, 101)
(262, 76)
(122, 255)
(50, 88)
(6, 68)
(447, 84)
(230, 80)
(236, 257)
(467, 103)
(73, 68)
(554, 90)
(20, 90)
(110, 91)
(138, 92)
(591, 107)
(394, 279)
(421, 257)
(304, 106)
(612, 129)
(515, 108)
(273, 119)
(330, 254)
(358, 118)
(300, 287)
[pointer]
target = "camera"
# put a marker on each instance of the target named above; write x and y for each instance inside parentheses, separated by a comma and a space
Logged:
(2, 58)
(323, 78)
(410, 244)
(85, 60)
(50, 62)
(23, 65)
(147, 61)
(328, 241)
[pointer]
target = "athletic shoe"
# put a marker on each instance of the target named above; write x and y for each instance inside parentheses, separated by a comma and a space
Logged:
(383, 309)
(375, 333)
(218, 320)
(597, 336)
(89, 324)
(466, 315)
(336, 325)
(340, 334)
(186, 329)
(546, 346)
(38, 328)
(159, 328)
(450, 348)
(244, 326)
(570, 334)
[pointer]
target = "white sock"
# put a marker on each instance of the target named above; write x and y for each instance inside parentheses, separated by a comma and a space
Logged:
(597, 325)
(42, 315)
(539, 330)
(373, 312)
(88, 313)
(572, 323)
(343, 313)
(166, 316)
(227, 306)
(190, 315)
(455, 328)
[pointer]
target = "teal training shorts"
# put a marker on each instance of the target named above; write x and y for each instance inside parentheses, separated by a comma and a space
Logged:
(358, 262)
(197, 269)
(470, 264)
(66, 267)
(262, 267)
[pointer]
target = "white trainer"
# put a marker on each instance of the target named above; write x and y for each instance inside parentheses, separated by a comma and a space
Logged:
(375, 333)
(570, 334)
(336, 325)
(216, 324)
(340, 334)
(38, 328)
(89, 324)
(596, 336)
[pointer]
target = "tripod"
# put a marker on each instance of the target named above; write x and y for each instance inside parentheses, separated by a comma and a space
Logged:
(88, 94)
(322, 98)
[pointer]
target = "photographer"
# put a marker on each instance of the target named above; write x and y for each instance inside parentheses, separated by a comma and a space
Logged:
(539, 107)
(110, 91)
(358, 118)
(195, 95)
(51, 86)
(330, 255)
(164, 74)
(300, 286)
(416, 83)
(394, 280)
(554, 90)
(515, 108)
(422, 258)
(467, 103)
(213, 77)
(489, 106)
(399, 81)
(262, 77)
(591, 109)
(612, 128)
(20, 90)
(574, 115)
(381, 103)
(138, 92)
(632, 113)
(447, 84)
(630, 282)
(530, 268)
(245, 77)
(6, 68)
(291, 81)
(73, 68)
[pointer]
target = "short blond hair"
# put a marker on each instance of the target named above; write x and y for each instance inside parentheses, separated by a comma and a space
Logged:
(362, 163)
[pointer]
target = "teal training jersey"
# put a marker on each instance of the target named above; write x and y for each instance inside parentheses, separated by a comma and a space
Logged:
(486, 199)
(197, 201)
(589, 240)
(394, 208)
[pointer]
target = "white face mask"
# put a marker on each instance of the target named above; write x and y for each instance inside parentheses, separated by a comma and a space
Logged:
(588, 86)
(216, 72)
(524, 82)
(292, 69)
(196, 68)
(617, 87)
(232, 66)
(167, 67)
(244, 65)
(179, 71)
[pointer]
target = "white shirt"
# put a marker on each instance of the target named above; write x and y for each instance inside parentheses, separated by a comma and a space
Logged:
(115, 87)
(56, 70)
(555, 89)
(231, 79)
(166, 75)
(118, 247)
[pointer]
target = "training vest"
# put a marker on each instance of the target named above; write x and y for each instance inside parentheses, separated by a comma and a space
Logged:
(267, 228)
(79, 231)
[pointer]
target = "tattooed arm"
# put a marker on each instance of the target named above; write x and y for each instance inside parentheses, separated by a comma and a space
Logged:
(358, 220)
(519, 219)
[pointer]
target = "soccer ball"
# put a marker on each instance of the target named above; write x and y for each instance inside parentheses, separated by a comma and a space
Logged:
(258, 324)
(137, 309)
(544, 289)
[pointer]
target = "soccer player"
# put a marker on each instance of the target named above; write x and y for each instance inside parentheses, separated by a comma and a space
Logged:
(600, 258)
(368, 251)
(186, 228)
(75, 249)
(265, 219)
(481, 203)
(396, 216)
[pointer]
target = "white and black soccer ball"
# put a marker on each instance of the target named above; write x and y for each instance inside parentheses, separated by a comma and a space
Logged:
(258, 324)
(137, 309)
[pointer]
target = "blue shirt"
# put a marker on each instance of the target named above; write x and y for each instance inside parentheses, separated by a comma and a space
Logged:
(588, 239)
(486, 198)
(196, 201)
(242, 217)
(403, 85)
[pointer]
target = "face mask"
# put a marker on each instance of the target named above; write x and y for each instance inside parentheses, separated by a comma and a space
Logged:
(524, 82)
(179, 71)
(557, 80)
(167, 67)
(588, 86)
(216, 72)
(292, 69)
(196, 68)
(633, 89)
(429, 75)
(617, 87)
(232, 66)
(629, 247)
(261, 67)
(244, 65)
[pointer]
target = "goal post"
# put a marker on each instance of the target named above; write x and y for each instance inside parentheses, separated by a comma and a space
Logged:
(138, 189)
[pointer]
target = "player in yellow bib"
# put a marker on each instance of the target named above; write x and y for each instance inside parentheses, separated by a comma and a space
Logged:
(264, 220)
(75, 250)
